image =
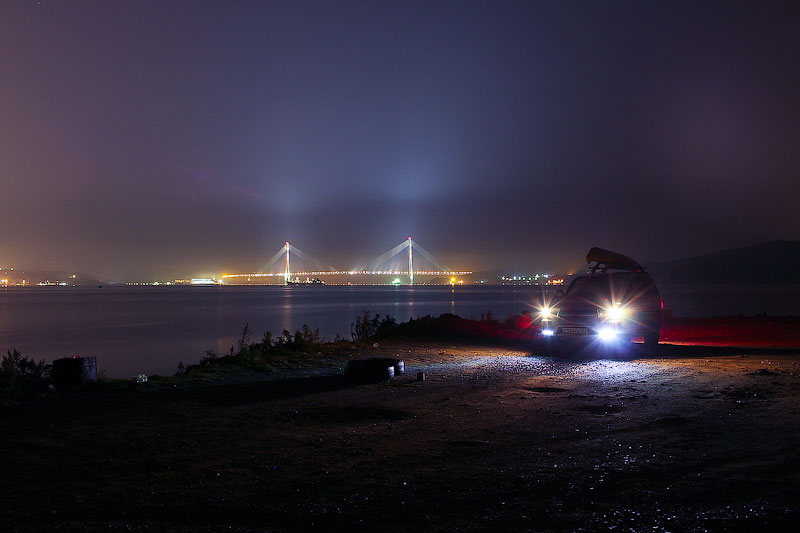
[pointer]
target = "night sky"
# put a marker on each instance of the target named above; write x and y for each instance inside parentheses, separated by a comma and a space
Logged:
(166, 139)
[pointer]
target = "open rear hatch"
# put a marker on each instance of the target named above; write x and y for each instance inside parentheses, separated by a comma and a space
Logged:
(605, 259)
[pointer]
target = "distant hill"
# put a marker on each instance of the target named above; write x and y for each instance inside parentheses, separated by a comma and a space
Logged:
(774, 262)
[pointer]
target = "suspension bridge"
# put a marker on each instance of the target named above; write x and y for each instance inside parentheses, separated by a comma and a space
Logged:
(292, 266)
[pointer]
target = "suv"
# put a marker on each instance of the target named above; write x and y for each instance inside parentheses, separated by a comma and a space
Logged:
(616, 301)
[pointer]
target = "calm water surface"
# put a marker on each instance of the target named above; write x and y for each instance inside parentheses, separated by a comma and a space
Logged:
(149, 330)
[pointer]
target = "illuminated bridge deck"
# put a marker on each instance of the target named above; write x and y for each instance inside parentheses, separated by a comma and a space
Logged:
(378, 277)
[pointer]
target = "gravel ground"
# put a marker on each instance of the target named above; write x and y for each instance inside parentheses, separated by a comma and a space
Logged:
(686, 438)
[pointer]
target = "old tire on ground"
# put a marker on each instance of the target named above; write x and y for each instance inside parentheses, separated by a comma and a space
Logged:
(374, 369)
(398, 364)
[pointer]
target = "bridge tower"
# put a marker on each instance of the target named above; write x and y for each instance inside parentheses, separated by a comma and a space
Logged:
(287, 276)
(410, 262)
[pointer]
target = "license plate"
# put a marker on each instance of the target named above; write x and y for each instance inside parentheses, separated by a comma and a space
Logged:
(575, 331)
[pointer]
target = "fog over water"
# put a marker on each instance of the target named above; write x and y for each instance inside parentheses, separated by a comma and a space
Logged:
(150, 330)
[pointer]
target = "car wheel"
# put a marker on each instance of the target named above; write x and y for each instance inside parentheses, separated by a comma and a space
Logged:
(651, 340)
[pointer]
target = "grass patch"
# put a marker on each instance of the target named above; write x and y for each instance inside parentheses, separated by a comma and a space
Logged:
(22, 378)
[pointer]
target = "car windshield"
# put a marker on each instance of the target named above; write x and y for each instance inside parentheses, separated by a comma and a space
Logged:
(588, 288)
(620, 287)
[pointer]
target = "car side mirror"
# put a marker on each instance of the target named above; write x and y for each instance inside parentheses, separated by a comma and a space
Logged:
(559, 293)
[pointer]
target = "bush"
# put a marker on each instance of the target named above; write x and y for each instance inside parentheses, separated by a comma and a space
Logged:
(361, 330)
(303, 340)
(259, 354)
(366, 329)
(22, 378)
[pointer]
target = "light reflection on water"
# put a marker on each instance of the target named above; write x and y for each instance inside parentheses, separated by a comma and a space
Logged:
(151, 329)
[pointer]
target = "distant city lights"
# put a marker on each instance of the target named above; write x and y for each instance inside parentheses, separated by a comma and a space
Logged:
(533, 279)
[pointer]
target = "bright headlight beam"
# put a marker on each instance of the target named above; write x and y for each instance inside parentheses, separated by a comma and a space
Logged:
(615, 312)
(607, 334)
(545, 312)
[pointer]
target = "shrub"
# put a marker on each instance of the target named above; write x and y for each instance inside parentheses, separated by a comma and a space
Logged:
(365, 328)
(259, 354)
(22, 378)
(361, 330)
(306, 338)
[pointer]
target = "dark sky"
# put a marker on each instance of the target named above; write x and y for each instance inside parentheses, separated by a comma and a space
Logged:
(159, 139)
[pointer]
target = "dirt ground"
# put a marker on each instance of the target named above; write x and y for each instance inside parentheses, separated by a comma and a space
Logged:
(685, 438)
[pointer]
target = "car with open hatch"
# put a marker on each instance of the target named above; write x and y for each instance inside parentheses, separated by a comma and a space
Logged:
(616, 302)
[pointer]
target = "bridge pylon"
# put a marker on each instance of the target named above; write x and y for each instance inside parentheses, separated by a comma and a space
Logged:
(410, 262)
(287, 273)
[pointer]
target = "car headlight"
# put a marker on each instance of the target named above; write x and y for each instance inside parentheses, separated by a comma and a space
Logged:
(546, 313)
(613, 312)
(607, 334)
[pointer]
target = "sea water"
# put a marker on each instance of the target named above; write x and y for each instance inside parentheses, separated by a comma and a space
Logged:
(133, 330)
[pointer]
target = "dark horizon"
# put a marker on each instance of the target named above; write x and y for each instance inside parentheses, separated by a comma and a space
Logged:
(149, 140)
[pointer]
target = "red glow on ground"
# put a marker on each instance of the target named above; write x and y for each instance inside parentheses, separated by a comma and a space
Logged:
(759, 331)
(746, 332)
